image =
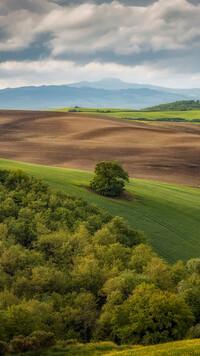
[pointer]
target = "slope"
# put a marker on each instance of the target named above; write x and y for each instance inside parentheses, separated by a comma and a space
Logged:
(160, 151)
(169, 214)
(179, 348)
(155, 113)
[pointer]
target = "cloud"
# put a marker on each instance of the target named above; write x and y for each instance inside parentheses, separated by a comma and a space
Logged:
(92, 28)
(13, 73)
(156, 37)
(19, 21)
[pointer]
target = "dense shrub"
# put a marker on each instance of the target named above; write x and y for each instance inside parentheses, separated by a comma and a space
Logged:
(18, 344)
(36, 341)
(194, 332)
(3, 348)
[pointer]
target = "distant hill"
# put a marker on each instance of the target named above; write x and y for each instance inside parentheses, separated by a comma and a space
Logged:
(113, 84)
(117, 84)
(184, 105)
(102, 94)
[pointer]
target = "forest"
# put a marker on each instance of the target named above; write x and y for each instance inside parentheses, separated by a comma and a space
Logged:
(70, 271)
(183, 105)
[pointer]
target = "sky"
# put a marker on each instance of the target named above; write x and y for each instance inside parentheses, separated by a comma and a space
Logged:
(45, 42)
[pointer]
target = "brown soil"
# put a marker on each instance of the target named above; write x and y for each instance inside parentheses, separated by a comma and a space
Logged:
(168, 152)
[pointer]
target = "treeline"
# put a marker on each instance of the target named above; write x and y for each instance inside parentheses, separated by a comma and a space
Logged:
(68, 270)
(184, 105)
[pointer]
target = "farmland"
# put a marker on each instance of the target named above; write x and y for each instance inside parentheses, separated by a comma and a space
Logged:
(161, 151)
(167, 213)
(150, 152)
(188, 116)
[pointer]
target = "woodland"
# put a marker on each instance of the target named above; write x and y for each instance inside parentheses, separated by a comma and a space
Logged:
(70, 271)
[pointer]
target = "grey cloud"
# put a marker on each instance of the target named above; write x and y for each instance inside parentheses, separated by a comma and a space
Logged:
(37, 6)
(19, 20)
(160, 33)
(194, 2)
(125, 2)
(163, 25)
(37, 51)
(123, 29)
(98, 2)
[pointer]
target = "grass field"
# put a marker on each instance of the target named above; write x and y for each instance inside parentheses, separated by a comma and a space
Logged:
(136, 115)
(179, 348)
(169, 214)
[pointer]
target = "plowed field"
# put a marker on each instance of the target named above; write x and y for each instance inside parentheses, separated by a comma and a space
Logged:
(168, 152)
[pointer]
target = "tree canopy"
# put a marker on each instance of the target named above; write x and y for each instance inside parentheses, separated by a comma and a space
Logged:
(69, 270)
(109, 179)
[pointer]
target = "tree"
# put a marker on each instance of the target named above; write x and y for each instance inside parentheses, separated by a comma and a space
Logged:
(193, 265)
(151, 316)
(142, 254)
(109, 179)
(159, 273)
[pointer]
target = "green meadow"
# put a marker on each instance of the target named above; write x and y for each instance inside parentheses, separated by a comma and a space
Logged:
(169, 214)
(190, 116)
(179, 348)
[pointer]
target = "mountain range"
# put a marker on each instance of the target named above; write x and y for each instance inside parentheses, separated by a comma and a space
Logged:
(105, 93)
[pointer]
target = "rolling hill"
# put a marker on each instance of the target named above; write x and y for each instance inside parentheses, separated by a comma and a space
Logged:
(167, 152)
(152, 114)
(168, 214)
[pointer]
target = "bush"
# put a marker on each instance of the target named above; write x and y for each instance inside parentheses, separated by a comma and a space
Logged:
(36, 341)
(194, 332)
(71, 342)
(43, 339)
(3, 348)
(17, 344)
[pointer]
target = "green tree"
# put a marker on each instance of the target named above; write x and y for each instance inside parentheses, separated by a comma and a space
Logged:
(109, 179)
(19, 321)
(151, 316)
(193, 265)
(142, 254)
(81, 316)
(159, 273)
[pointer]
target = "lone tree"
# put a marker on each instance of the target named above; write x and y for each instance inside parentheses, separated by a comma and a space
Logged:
(109, 179)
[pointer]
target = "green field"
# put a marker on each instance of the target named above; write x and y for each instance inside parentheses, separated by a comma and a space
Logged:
(190, 115)
(169, 214)
(179, 348)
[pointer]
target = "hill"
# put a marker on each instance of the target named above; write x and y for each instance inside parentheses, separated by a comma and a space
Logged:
(158, 151)
(72, 273)
(106, 93)
(115, 84)
(168, 214)
(177, 106)
(192, 116)
(178, 348)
